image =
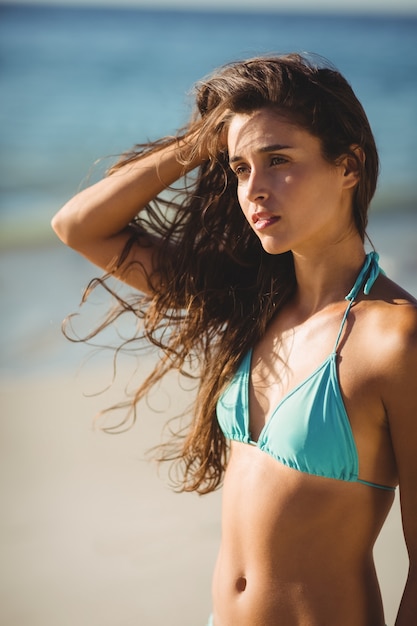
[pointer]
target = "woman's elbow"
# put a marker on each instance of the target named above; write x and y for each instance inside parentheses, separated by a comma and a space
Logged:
(66, 228)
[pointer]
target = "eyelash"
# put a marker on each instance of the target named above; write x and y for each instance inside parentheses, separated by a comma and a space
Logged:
(281, 160)
(241, 170)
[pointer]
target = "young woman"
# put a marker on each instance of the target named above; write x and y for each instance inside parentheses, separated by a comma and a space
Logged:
(254, 273)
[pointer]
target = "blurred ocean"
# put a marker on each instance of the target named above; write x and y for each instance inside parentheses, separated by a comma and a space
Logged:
(79, 84)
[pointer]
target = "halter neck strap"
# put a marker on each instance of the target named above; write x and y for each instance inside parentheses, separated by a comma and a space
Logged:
(366, 278)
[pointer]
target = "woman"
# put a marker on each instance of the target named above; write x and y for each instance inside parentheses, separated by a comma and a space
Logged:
(257, 272)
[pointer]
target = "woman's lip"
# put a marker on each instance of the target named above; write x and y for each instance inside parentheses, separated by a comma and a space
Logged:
(262, 222)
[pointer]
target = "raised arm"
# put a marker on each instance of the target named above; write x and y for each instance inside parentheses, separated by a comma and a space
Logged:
(95, 221)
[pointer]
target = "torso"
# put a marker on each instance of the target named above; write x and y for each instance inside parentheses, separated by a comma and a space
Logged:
(297, 549)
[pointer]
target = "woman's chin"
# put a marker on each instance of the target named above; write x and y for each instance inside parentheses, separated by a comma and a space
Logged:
(273, 247)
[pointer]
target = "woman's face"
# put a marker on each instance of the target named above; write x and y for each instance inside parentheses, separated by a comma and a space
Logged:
(291, 196)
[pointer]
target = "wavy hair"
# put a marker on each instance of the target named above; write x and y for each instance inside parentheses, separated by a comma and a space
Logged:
(217, 289)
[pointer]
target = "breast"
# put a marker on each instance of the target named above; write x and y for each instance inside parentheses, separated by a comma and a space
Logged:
(310, 430)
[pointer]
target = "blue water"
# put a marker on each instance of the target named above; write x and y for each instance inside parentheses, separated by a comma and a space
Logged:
(78, 84)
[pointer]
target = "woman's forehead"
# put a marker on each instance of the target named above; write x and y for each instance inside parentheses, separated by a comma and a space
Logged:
(263, 129)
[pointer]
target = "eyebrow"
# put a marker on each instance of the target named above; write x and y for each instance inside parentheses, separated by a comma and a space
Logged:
(274, 148)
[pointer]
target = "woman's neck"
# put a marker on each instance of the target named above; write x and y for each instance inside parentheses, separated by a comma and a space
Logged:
(327, 276)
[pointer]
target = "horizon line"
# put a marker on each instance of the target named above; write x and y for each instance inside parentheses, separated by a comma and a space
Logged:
(224, 7)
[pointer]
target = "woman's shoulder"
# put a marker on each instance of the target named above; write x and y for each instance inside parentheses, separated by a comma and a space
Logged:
(394, 305)
(389, 320)
(393, 322)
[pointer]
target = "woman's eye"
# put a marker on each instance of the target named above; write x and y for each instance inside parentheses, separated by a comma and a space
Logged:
(278, 160)
(241, 170)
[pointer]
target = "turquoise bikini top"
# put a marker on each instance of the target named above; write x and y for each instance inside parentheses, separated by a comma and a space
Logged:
(309, 430)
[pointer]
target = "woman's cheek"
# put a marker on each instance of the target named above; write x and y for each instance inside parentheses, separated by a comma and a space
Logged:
(242, 203)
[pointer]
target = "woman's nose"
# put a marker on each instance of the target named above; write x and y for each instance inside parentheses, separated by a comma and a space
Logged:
(256, 190)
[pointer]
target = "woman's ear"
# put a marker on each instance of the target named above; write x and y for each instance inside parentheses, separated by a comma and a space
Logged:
(353, 163)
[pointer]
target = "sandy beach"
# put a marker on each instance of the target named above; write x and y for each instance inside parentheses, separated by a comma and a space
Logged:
(90, 533)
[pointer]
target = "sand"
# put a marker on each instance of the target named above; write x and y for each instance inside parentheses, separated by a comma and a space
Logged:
(91, 535)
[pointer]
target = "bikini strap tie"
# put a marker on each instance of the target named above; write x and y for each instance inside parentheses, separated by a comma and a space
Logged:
(370, 271)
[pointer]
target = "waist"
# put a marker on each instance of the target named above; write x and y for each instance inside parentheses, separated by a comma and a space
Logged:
(289, 539)
(246, 597)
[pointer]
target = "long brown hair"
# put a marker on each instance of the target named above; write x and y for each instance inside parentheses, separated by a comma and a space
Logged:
(217, 288)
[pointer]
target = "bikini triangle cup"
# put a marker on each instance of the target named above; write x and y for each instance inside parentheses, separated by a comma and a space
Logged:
(309, 430)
